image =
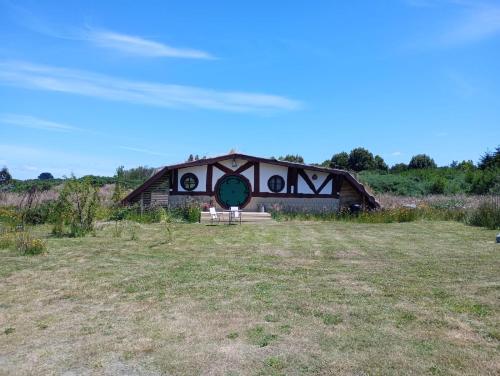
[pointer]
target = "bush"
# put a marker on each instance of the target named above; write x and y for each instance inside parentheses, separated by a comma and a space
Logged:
(486, 215)
(77, 207)
(438, 186)
(39, 214)
(190, 211)
(29, 245)
(10, 217)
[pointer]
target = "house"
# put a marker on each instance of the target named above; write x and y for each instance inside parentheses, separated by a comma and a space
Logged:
(252, 183)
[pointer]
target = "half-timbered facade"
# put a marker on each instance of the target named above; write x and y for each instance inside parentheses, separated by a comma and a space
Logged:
(252, 183)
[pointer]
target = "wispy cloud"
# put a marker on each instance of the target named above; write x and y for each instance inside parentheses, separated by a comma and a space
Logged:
(135, 45)
(28, 121)
(470, 21)
(478, 22)
(125, 43)
(144, 151)
(396, 153)
(50, 78)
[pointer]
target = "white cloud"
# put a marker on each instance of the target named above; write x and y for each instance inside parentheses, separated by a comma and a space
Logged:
(396, 153)
(50, 78)
(135, 45)
(28, 121)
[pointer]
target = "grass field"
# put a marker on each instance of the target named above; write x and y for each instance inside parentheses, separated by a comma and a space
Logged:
(282, 298)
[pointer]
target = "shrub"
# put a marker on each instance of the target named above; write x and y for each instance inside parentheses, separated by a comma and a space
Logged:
(39, 214)
(10, 217)
(438, 186)
(29, 245)
(77, 206)
(486, 215)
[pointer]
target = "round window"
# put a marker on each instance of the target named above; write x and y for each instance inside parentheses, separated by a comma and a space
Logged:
(276, 183)
(189, 181)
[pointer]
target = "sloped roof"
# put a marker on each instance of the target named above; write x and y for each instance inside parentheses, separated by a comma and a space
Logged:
(159, 172)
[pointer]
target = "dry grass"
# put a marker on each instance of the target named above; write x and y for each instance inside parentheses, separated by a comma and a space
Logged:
(287, 298)
(459, 201)
(16, 199)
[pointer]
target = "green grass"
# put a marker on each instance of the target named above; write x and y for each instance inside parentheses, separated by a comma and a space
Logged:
(276, 299)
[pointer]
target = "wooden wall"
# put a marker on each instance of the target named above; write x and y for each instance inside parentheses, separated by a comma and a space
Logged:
(349, 195)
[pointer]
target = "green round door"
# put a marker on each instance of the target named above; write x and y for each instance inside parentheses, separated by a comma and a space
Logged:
(233, 191)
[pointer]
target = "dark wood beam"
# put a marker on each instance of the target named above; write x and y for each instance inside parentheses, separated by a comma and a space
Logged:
(256, 178)
(210, 172)
(323, 185)
(223, 168)
(308, 181)
(244, 167)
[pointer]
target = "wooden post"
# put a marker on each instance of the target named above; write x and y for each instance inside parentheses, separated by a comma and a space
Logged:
(142, 203)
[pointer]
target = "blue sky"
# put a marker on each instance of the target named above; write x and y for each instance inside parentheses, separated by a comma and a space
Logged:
(86, 86)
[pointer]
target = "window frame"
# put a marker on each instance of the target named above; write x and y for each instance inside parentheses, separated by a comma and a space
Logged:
(271, 186)
(189, 175)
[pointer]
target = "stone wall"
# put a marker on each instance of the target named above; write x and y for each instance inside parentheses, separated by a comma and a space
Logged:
(175, 201)
(288, 203)
(309, 204)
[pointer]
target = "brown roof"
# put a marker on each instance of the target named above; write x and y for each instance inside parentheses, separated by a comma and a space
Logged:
(161, 171)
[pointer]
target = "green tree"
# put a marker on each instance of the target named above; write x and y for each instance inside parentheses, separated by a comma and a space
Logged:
(119, 180)
(45, 176)
(421, 161)
(5, 176)
(360, 159)
(465, 165)
(340, 160)
(380, 164)
(490, 160)
(292, 158)
(399, 167)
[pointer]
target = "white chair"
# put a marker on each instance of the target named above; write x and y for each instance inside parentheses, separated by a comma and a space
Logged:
(236, 213)
(214, 216)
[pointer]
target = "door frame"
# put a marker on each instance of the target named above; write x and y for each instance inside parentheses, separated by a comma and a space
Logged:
(241, 177)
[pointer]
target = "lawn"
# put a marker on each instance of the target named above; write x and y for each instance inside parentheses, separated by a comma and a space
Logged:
(282, 298)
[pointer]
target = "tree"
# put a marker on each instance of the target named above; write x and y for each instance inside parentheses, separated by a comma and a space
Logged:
(190, 158)
(292, 158)
(466, 165)
(399, 167)
(490, 160)
(421, 161)
(340, 160)
(379, 163)
(360, 159)
(5, 176)
(119, 179)
(45, 176)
